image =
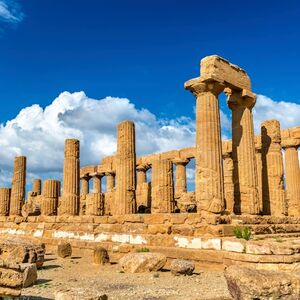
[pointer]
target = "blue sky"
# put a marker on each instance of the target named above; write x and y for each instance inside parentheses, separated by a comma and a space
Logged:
(143, 51)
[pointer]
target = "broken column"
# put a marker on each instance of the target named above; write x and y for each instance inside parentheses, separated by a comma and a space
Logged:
(272, 170)
(125, 201)
(228, 175)
(94, 204)
(18, 186)
(85, 189)
(180, 176)
(50, 195)
(162, 188)
(110, 181)
(69, 202)
(142, 188)
(4, 201)
(37, 186)
(243, 152)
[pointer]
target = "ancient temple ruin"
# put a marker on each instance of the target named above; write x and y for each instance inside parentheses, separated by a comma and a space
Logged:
(247, 181)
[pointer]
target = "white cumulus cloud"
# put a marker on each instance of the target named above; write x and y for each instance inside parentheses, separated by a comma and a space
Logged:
(10, 11)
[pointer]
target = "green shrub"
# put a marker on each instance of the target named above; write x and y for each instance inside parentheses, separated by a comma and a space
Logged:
(142, 250)
(237, 231)
(242, 233)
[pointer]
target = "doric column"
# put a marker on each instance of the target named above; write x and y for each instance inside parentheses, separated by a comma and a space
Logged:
(209, 173)
(228, 175)
(69, 202)
(97, 183)
(110, 181)
(259, 170)
(50, 194)
(292, 176)
(18, 186)
(142, 188)
(85, 187)
(272, 170)
(180, 176)
(125, 169)
(94, 205)
(4, 201)
(243, 152)
(141, 174)
(162, 189)
(37, 186)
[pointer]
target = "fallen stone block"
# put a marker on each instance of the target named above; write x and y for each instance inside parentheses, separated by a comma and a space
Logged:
(182, 267)
(64, 249)
(101, 256)
(142, 262)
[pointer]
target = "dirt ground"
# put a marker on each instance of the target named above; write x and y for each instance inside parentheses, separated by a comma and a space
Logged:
(81, 274)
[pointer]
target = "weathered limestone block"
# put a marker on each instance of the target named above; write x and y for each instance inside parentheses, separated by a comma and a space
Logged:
(162, 189)
(247, 283)
(182, 267)
(50, 195)
(101, 256)
(109, 202)
(272, 170)
(4, 201)
(180, 180)
(64, 249)
(228, 175)
(18, 186)
(94, 204)
(29, 274)
(125, 201)
(209, 172)
(142, 262)
(69, 202)
(246, 199)
(187, 202)
(31, 209)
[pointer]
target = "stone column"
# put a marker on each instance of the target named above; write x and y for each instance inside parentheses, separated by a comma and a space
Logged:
(18, 186)
(94, 204)
(37, 186)
(259, 170)
(110, 181)
(50, 194)
(162, 189)
(69, 202)
(228, 176)
(125, 169)
(180, 176)
(292, 176)
(4, 201)
(272, 170)
(142, 188)
(97, 183)
(243, 153)
(209, 172)
(85, 188)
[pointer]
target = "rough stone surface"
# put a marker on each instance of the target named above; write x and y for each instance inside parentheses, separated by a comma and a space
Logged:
(4, 201)
(142, 262)
(101, 256)
(182, 267)
(64, 249)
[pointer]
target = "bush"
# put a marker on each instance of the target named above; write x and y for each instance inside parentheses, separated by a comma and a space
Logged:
(142, 250)
(242, 233)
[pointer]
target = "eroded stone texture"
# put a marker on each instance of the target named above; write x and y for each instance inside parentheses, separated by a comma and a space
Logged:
(69, 202)
(101, 256)
(209, 173)
(162, 188)
(272, 169)
(110, 181)
(182, 267)
(18, 186)
(4, 201)
(228, 175)
(243, 152)
(64, 249)
(50, 195)
(94, 204)
(125, 201)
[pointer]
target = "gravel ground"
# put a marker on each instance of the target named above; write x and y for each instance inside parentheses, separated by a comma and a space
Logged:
(86, 278)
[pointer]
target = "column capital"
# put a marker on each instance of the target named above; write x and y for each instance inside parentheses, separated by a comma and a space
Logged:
(290, 143)
(97, 174)
(85, 176)
(227, 148)
(142, 167)
(181, 161)
(242, 97)
(110, 173)
(198, 86)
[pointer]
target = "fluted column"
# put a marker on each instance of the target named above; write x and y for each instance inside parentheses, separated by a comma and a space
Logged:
(142, 193)
(37, 186)
(292, 176)
(162, 188)
(4, 201)
(18, 186)
(85, 187)
(180, 176)
(69, 202)
(272, 170)
(243, 153)
(228, 176)
(50, 194)
(209, 172)
(259, 170)
(110, 181)
(97, 183)
(125, 201)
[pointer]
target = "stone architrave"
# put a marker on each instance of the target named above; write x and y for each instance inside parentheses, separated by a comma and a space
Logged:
(4, 201)
(162, 188)
(69, 202)
(246, 198)
(180, 176)
(272, 170)
(18, 186)
(125, 201)
(228, 175)
(50, 195)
